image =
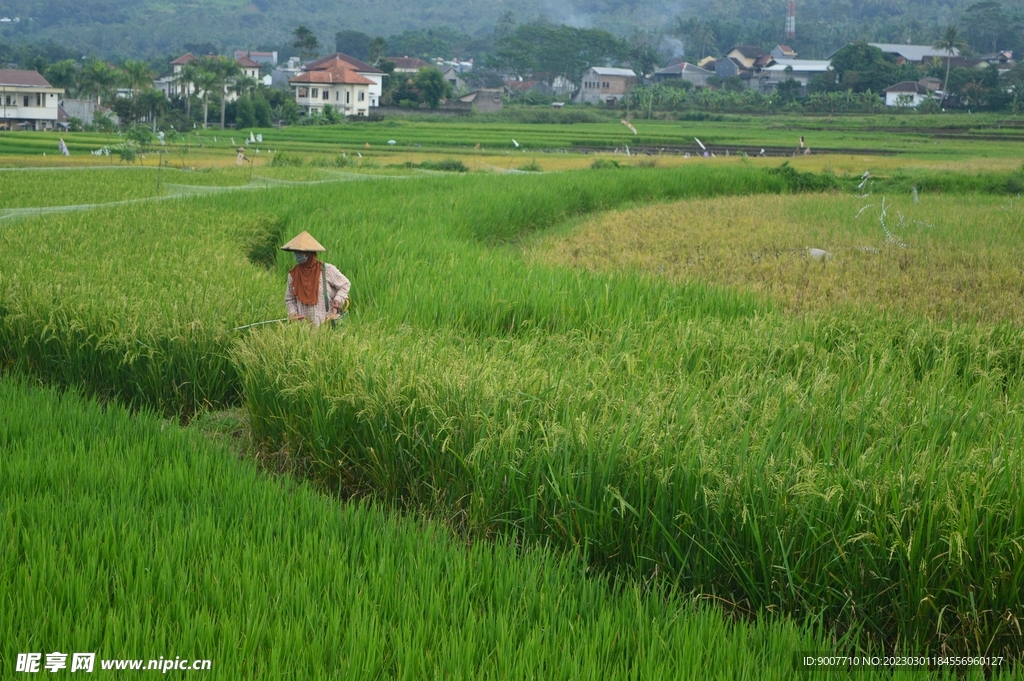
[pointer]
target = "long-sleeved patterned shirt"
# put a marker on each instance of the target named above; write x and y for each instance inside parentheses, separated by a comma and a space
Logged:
(337, 292)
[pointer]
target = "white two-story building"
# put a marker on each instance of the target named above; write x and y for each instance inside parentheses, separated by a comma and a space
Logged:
(342, 88)
(27, 101)
(172, 86)
(340, 60)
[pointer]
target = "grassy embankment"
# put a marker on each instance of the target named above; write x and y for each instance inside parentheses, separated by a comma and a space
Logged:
(862, 471)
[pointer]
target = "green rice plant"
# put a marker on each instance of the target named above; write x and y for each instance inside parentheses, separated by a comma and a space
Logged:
(448, 165)
(131, 538)
(973, 135)
(825, 471)
(531, 167)
(62, 187)
(268, 233)
(985, 137)
(135, 302)
(804, 181)
(859, 471)
(339, 161)
(286, 160)
(960, 256)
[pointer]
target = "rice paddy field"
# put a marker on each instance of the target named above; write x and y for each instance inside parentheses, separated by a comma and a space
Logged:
(679, 418)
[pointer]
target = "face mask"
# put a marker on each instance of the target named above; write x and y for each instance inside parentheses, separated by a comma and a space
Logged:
(300, 258)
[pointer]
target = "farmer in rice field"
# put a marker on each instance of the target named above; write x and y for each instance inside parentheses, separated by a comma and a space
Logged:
(317, 291)
(241, 156)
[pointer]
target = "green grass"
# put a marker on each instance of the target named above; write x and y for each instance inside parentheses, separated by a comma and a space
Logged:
(131, 538)
(859, 471)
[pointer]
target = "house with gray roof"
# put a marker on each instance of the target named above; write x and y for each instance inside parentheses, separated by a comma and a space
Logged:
(802, 71)
(730, 66)
(605, 85)
(907, 93)
(678, 69)
(914, 54)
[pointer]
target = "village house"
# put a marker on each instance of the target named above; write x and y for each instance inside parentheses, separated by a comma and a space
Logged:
(453, 76)
(261, 58)
(783, 52)
(337, 85)
(249, 67)
(914, 54)
(727, 67)
(707, 63)
(86, 110)
(677, 69)
(27, 101)
(749, 56)
(907, 93)
(408, 64)
(604, 85)
(172, 86)
(542, 84)
(486, 100)
(458, 65)
(340, 60)
(169, 83)
(802, 71)
(283, 73)
(1002, 60)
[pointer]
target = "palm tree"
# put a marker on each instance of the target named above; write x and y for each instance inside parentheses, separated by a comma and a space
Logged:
(306, 41)
(96, 79)
(188, 76)
(155, 102)
(226, 70)
(207, 82)
(950, 42)
(137, 76)
(243, 85)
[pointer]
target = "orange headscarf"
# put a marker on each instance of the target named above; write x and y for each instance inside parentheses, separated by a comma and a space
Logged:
(306, 280)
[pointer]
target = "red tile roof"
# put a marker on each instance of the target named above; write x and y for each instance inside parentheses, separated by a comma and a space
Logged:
(22, 78)
(342, 59)
(247, 63)
(332, 76)
(186, 58)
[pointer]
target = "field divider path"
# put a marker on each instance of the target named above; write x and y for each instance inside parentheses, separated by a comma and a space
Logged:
(177, 191)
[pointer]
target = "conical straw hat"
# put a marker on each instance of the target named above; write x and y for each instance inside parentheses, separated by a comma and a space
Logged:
(303, 242)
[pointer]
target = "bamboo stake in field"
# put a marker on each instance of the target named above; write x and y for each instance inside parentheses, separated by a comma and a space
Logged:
(269, 321)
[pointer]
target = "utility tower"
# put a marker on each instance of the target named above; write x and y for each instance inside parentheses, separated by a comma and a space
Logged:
(791, 19)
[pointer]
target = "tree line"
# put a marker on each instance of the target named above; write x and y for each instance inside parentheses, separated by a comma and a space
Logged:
(201, 86)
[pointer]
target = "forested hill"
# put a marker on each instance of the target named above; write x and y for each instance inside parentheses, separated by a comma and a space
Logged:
(114, 28)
